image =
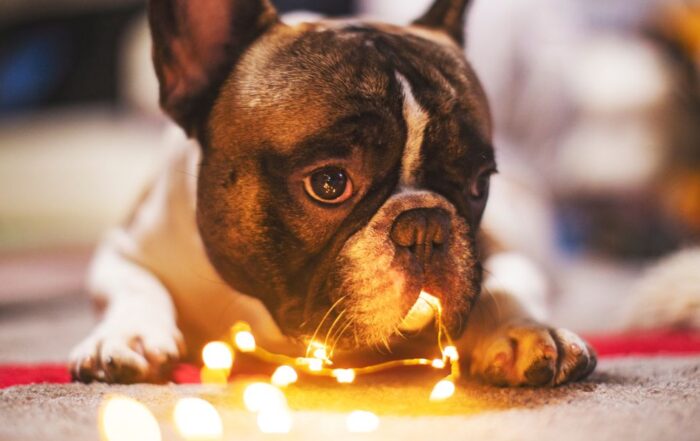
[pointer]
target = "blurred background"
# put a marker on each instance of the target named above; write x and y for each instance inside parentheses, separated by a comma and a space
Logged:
(596, 104)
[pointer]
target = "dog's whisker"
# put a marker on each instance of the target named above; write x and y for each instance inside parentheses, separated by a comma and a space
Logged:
(497, 303)
(335, 322)
(385, 341)
(325, 317)
(340, 335)
(398, 332)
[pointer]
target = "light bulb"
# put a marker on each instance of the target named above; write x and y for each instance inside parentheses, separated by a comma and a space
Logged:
(217, 355)
(245, 341)
(450, 352)
(344, 375)
(284, 376)
(315, 364)
(438, 364)
(443, 390)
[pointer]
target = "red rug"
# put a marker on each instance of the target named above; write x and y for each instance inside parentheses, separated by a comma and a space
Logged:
(653, 343)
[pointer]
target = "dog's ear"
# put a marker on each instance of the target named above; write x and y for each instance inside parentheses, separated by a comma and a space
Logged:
(448, 16)
(195, 45)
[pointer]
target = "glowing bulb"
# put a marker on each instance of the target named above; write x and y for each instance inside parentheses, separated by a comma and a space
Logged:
(284, 376)
(421, 313)
(124, 419)
(245, 341)
(318, 351)
(430, 300)
(450, 352)
(361, 421)
(443, 390)
(344, 375)
(315, 364)
(438, 364)
(261, 396)
(275, 420)
(197, 420)
(217, 355)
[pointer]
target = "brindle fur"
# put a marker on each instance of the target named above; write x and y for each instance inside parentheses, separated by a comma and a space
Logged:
(268, 104)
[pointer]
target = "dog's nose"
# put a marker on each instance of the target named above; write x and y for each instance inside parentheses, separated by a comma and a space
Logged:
(422, 231)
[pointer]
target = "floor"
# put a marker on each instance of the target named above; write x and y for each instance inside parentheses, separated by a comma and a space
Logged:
(635, 399)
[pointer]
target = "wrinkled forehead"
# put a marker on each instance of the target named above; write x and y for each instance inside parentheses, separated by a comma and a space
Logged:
(298, 80)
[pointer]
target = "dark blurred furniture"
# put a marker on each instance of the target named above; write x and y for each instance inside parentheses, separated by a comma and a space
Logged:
(58, 52)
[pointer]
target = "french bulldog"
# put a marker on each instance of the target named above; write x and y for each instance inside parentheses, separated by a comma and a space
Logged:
(331, 172)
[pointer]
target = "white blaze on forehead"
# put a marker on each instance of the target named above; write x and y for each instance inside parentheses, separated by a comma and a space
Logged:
(416, 120)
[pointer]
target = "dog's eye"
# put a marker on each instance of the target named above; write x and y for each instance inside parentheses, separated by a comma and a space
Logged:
(479, 189)
(329, 185)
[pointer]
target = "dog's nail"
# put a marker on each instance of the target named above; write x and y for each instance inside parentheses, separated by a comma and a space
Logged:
(539, 373)
(576, 349)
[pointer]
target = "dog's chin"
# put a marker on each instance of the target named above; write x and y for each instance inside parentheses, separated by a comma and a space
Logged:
(384, 327)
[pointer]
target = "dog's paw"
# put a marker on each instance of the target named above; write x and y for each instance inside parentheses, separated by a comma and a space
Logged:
(113, 355)
(532, 355)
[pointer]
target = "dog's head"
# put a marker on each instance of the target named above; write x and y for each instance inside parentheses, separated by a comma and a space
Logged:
(345, 165)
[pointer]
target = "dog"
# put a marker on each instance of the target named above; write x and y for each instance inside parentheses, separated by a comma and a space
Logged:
(331, 171)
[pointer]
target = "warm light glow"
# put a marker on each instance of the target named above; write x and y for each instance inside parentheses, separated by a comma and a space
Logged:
(218, 377)
(450, 352)
(284, 376)
(217, 355)
(197, 420)
(261, 396)
(245, 342)
(315, 364)
(421, 313)
(443, 390)
(125, 419)
(431, 300)
(275, 420)
(438, 364)
(344, 375)
(318, 351)
(361, 421)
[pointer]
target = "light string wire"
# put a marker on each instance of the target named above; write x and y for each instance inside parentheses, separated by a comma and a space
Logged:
(319, 366)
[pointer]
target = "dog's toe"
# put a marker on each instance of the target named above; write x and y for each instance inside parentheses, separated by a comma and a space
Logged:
(116, 357)
(532, 355)
(576, 358)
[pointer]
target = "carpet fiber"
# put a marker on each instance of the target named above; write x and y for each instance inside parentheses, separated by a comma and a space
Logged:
(627, 398)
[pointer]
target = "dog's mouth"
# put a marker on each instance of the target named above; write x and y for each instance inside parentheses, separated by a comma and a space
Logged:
(415, 335)
(416, 323)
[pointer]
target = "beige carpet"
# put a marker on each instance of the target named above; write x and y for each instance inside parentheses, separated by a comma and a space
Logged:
(628, 399)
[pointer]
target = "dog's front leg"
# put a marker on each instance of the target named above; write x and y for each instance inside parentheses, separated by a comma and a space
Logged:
(506, 346)
(137, 339)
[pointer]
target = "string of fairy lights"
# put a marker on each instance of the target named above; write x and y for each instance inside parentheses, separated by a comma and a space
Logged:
(197, 419)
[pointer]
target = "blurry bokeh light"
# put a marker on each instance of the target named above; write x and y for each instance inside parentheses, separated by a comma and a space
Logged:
(261, 396)
(217, 355)
(361, 421)
(197, 420)
(125, 419)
